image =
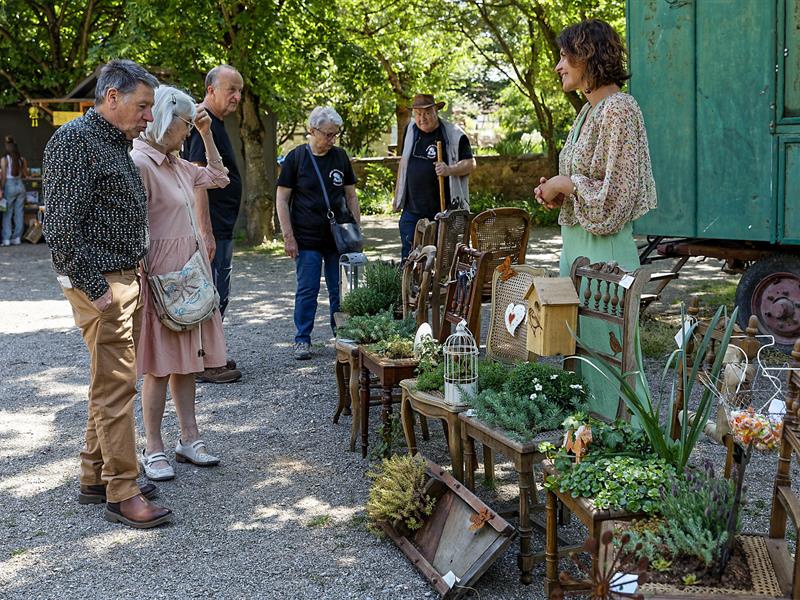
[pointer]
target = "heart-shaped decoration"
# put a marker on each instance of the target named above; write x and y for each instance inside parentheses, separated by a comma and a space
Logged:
(515, 316)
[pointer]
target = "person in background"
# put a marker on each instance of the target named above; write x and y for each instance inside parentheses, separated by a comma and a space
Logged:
(164, 356)
(97, 230)
(416, 193)
(13, 167)
(303, 217)
(218, 209)
(605, 179)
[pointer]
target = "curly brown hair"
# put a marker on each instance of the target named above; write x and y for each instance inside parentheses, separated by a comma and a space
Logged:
(595, 45)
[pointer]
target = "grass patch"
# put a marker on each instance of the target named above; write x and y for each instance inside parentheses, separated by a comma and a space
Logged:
(658, 338)
(715, 293)
(270, 248)
(18, 552)
(319, 521)
(357, 521)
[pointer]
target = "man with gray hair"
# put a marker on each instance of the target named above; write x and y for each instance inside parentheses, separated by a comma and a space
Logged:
(97, 230)
(218, 209)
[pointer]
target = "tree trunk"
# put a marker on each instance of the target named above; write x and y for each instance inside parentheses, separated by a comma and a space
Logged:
(403, 115)
(259, 203)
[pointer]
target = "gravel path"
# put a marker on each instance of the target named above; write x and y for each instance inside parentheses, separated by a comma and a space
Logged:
(282, 517)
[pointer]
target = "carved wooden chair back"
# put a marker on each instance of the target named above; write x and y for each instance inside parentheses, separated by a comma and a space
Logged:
(424, 233)
(501, 232)
(611, 294)
(463, 299)
(509, 289)
(786, 502)
(453, 230)
(417, 278)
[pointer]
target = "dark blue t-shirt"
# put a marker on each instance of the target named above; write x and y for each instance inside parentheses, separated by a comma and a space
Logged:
(422, 183)
(307, 206)
(223, 204)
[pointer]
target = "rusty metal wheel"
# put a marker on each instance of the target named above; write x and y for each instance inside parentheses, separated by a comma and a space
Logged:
(770, 289)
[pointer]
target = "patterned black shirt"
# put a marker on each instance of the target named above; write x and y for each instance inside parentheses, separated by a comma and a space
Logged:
(96, 204)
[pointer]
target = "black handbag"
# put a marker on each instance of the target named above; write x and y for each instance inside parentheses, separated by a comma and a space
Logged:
(346, 236)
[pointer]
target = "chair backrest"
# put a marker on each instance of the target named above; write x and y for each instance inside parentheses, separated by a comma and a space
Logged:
(501, 232)
(785, 502)
(500, 344)
(463, 299)
(610, 293)
(424, 233)
(417, 276)
(453, 230)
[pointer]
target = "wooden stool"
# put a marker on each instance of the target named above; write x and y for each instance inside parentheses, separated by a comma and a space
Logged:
(584, 508)
(432, 404)
(524, 455)
(390, 372)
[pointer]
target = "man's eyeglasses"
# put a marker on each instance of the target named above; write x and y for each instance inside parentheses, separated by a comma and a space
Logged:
(189, 123)
(328, 136)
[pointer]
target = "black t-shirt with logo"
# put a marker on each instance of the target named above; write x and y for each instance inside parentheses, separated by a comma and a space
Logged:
(223, 204)
(307, 208)
(422, 184)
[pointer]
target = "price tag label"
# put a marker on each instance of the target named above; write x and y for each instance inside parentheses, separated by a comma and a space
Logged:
(626, 281)
(681, 335)
(624, 583)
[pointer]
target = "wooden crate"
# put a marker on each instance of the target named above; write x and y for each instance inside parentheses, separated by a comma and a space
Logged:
(445, 544)
(552, 313)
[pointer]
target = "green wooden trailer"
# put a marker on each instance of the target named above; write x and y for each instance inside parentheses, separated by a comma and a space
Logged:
(719, 85)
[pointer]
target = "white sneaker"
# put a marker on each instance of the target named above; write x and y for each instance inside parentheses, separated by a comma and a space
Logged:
(15, 241)
(195, 453)
(6, 242)
(156, 473)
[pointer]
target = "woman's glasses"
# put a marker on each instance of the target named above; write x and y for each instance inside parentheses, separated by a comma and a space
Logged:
(189, 123)
(328, 136)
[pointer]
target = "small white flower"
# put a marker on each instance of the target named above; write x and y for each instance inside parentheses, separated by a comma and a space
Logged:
(576, 386)
(538, 387)
(535, 380)
(533, 396)
(554, 376)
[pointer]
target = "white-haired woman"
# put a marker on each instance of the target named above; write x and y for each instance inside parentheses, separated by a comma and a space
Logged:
(164, 356)
(302, 213)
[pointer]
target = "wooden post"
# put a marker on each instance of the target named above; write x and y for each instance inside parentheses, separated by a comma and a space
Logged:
(442, 204)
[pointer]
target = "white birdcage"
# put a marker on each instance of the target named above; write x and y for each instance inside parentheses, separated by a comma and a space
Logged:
(460, 365)
(352, 267)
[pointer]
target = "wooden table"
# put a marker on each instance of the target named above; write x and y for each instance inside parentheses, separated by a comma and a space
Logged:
(584, 509)
(390, 372)
(524, 455)
(432, 404)
(347, 370)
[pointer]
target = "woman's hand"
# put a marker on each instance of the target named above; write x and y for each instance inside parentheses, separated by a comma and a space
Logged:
(201, 120)
(290, 246)
(552, 192)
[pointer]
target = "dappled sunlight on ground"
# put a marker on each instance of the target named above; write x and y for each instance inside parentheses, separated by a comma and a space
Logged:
(24, 433)
(43, 477)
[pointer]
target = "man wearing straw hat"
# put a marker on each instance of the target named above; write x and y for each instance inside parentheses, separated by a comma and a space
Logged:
(434, 168)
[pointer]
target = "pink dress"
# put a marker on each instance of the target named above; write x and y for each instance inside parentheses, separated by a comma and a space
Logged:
(169, 180)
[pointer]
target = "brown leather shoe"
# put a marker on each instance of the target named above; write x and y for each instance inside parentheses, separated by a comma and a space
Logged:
(219, 375)
(96, 494)
(137, 512)
(230, 365)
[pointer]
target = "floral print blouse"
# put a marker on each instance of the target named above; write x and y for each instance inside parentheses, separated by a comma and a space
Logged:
(609, 164)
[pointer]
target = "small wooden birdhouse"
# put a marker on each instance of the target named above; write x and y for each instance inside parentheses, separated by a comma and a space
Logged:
(552, 312)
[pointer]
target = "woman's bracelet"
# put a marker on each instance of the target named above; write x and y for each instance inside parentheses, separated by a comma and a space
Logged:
(214, 160)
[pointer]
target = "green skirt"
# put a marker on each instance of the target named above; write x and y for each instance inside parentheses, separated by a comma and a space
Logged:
(620, 248)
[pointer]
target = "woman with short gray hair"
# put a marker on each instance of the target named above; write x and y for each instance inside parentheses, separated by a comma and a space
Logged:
(164, 356)
(302, 211)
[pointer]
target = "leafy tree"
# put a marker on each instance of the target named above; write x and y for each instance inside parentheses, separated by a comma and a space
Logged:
(46, 48)
(518, 39)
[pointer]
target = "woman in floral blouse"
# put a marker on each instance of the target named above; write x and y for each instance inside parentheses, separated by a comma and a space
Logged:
(605, 179)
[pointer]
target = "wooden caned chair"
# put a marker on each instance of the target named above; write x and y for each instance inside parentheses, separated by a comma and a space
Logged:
(500, 232)
(610, 294)
(424, 233)
(453, 230)
(417, 278)
(785, 502)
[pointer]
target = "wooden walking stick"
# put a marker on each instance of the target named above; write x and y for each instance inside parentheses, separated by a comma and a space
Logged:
(441, 178)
